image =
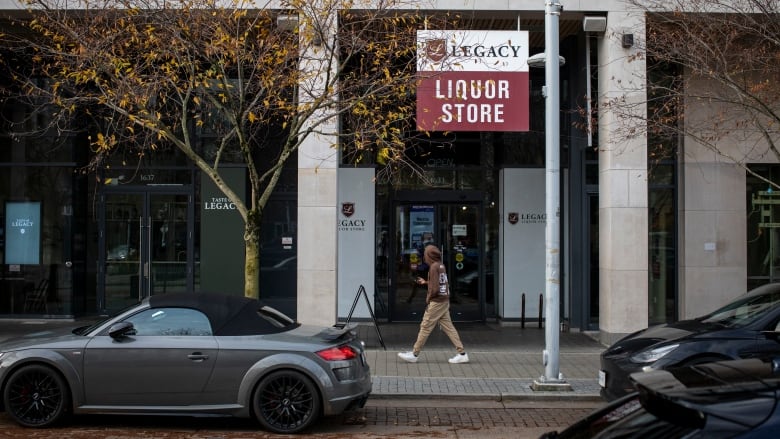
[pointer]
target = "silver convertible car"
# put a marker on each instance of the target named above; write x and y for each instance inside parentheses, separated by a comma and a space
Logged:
(188, 354)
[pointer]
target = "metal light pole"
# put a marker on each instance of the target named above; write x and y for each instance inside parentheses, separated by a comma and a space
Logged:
(552, 131)
(552, 379)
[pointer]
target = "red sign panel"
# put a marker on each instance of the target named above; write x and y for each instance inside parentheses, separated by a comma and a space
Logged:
(472, 101)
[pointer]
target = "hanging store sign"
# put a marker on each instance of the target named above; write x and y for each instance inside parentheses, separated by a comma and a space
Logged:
(472, 80)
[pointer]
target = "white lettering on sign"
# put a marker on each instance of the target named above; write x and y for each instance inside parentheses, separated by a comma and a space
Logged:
(22, 222)
(464, 90)
(474, 89)
(218, 203)
(472, 113)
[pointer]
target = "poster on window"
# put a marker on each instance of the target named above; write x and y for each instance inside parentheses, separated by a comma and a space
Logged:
(23, 232)
(420, 226)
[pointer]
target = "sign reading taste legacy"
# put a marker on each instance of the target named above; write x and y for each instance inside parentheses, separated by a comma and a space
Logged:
(472, 80)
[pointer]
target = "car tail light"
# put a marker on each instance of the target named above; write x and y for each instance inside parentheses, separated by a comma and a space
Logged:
(338, 353)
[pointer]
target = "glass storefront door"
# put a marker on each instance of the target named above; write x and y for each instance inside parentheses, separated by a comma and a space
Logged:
(456, 228)
(147, 242)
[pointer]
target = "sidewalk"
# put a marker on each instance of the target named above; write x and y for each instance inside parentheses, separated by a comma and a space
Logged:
(504, 362)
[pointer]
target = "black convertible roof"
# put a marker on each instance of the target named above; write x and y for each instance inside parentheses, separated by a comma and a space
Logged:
(228, 314)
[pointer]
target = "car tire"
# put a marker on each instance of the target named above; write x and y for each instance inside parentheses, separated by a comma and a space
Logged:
(36, 396)
(286, 402)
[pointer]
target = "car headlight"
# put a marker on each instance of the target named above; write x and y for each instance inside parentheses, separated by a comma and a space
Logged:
(653, 355)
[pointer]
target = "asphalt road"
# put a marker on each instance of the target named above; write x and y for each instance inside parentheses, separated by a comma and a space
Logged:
(381, 418)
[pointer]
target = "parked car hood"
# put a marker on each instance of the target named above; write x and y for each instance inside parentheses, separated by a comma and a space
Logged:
(681, 331)
(678, 331)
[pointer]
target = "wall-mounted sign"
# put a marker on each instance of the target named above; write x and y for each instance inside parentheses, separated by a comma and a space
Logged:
(222, 246)
(460, 230)
(513, 217)
(23, 232)
(349, 224)
(472, 80)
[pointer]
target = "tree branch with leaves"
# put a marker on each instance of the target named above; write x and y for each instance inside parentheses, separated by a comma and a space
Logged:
(713, 78)
(161, 74)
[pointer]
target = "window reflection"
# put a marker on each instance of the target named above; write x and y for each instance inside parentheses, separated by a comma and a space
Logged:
(170, 322)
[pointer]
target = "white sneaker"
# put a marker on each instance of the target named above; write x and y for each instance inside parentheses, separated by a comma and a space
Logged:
(408, 356)
(459, 358)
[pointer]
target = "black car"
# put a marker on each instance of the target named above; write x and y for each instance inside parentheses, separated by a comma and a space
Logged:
(745, 328)
(731, 399)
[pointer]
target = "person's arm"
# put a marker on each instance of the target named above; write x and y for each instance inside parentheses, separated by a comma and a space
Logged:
(432, 282)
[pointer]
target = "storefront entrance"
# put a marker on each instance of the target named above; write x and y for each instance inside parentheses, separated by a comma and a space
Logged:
(454, 223)
(145, 244)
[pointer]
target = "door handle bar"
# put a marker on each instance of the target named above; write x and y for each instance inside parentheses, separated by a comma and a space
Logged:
(197, 357)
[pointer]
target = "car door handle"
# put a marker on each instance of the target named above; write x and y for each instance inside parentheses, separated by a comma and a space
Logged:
(197, 357)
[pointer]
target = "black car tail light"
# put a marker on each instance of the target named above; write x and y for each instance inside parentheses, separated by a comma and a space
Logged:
(339, 353)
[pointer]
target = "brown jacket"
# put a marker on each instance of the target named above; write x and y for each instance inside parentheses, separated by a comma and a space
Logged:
(432, 257)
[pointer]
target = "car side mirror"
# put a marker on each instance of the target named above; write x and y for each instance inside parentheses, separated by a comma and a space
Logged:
(121, 329)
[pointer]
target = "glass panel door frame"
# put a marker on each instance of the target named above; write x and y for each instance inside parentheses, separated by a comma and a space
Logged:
(158, 255)
(456, 254)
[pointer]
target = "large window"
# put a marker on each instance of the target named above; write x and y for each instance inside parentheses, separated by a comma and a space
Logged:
(38, 239)
(662, 152)
(662, 258)
(763, 225)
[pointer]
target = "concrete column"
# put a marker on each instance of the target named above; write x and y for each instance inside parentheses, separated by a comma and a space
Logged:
(712, 207)
(317, 198)
(623, 218)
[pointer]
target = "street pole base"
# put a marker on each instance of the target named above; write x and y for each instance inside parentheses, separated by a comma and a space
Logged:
(548, 385)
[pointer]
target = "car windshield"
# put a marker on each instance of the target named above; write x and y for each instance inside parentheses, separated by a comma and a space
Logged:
(745, 310)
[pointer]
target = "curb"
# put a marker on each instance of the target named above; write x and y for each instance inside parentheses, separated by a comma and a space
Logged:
(545, 397)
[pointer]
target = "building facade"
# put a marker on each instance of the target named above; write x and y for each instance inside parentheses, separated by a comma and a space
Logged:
(638, 245)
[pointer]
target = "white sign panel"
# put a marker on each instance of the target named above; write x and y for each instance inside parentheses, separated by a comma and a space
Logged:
(356, 240)
(472, 51)
(523, 224)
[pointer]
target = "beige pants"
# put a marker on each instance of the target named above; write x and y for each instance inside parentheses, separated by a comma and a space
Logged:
(437, 312)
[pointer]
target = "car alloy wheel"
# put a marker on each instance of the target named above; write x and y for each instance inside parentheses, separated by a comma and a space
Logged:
(286, 402)
(35, 396)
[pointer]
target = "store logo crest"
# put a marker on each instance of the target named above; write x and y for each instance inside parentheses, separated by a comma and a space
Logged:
(347, 209)
(436, 50)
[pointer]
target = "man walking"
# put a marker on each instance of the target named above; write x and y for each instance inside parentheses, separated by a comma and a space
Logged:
(437, 309)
